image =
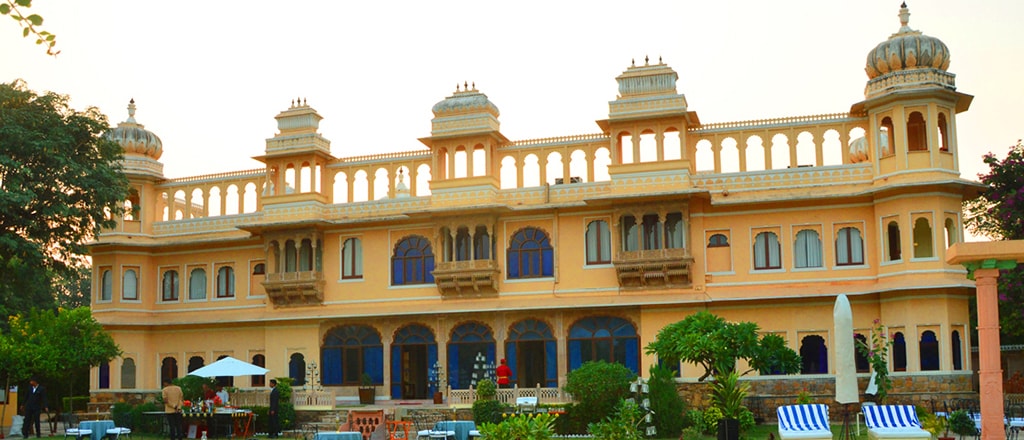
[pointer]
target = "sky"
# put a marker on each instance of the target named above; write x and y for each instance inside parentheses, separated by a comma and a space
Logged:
(209, 77)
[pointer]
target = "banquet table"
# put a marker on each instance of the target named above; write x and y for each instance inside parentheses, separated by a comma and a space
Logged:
(340, 435)
(99, 427)
(461, 427)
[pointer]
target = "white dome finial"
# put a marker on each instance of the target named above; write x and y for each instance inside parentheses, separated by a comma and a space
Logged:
(131, 111)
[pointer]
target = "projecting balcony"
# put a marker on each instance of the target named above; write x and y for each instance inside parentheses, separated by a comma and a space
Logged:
(289, 289)
(474, 276)
(654, 268)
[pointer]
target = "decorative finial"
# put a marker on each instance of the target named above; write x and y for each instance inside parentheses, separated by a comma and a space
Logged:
(474, 86)
(293, 104)
(647, 60)
(659, 60)
(465, 85)
(632, 62)
(131, 110)
(904, 18)
(304, 103)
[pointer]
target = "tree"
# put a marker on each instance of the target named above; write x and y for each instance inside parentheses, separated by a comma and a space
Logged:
(59, 347)
(29, 23)
(998, 213)
(597, 387)
(708, 340)
(60, 181)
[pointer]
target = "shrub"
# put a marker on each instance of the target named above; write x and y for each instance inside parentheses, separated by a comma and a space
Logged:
(695, 420)
(666, 403)
(286, 415)
(711, 417)
(961, 424)
(597, 388)
(486, 389)
(690, 433)
(521, 426)
(622, 426)
(489, 411)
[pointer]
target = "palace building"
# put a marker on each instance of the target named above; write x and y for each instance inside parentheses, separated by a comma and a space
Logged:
(550, 252)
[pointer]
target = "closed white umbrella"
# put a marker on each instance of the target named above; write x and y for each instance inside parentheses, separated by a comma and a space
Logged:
(846, 364)
(229, 366)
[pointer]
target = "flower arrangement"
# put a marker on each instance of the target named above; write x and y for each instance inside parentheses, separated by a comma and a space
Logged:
(217, 402)
(878, 356)
(187, 404)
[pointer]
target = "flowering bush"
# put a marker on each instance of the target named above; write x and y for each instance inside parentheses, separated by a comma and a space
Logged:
(878, 355)
(187, 404)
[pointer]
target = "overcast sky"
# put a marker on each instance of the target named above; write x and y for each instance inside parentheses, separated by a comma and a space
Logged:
(209, 77)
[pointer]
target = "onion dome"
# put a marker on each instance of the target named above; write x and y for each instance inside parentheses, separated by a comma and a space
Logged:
(463, 101)
(906, 49)
(134, 138)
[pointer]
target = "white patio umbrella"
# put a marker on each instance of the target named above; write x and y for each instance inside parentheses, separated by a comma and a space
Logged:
(846, 364)
(229, 366)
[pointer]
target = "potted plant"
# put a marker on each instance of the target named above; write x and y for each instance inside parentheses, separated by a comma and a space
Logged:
(367, 392)
(961, 424)
(727, 394)
(934, 424)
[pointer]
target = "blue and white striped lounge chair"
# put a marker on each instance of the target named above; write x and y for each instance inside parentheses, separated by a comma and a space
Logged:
(893, 422)
(804, 422)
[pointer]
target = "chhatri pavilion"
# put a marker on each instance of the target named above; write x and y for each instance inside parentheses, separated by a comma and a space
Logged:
(552, 252)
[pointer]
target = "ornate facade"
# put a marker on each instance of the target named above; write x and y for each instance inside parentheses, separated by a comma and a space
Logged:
(550, 252)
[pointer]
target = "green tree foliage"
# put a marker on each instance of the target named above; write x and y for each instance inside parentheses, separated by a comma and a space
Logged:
(59, 182)
(998, 213)
(597, 388)
(668, 406)
(29, 23)
(59, 347)
(707, 340)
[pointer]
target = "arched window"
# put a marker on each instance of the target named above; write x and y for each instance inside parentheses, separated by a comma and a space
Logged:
(849, 247)
(226, 282)
(767, 251)
(886, 138)
(352, 259)
(168, 369)
(130, 285)
(259, 269)
(413, 354)
(108, 286)
(922, 238)
(197, 284)
(916, 133)
(599, 250)
(259, 380)
(957, 346)
(807, 250)
(630, 233)
(859, 358)
(607, 338)
(813, 355)
(531, 351)
(652, 231)
(169, 287)
(468, 341)
(306, 256)
(929, 349)
(348, 352)
(297, 369)
(482, 244)
(104, 376)
(892, 234)
(951, 233)
(413, 262)
(290, 256)
(463, 245)
(718, 240)
(899, 352)
(195, 363)
(675, 237)
(943, 133)
(128, 374)
(530, 255)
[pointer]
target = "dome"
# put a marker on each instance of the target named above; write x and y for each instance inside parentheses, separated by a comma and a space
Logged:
(134, 138)
(465, 101)
(906, 49)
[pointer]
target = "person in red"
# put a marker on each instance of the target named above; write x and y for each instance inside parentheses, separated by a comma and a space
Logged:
(504, 374)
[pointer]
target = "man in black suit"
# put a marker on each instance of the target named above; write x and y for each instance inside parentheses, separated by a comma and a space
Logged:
(35, 403)
(275, 400)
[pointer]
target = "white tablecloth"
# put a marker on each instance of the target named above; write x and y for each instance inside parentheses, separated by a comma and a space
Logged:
(99, 427)
(344, 435)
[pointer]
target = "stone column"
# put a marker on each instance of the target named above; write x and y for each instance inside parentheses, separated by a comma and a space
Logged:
(990, 374)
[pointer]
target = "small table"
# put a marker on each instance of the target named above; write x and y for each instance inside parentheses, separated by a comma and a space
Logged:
(461, 427)
(99, 427)
(341, 435)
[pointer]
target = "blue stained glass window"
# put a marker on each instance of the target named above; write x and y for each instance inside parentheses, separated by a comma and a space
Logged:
(607, 338)
(530, 255)
(412, 262)
(348, 352)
